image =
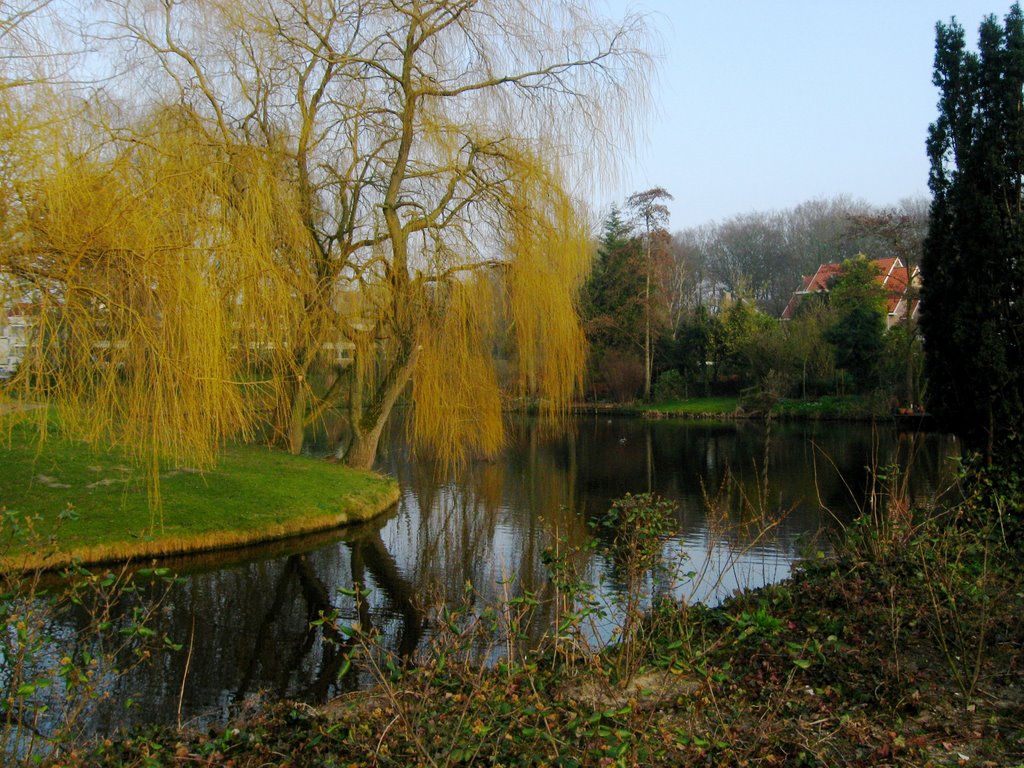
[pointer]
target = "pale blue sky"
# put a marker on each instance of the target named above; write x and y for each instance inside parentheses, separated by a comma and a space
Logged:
(764, 104)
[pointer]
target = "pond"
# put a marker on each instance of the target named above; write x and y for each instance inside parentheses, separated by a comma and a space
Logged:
(749, 500)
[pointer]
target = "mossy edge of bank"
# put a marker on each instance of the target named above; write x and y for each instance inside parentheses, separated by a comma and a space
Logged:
(692, 408)
(66, 502)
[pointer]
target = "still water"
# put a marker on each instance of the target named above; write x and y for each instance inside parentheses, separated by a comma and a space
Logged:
(244, 617)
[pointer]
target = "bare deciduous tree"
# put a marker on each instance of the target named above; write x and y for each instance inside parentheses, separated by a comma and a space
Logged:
(652, 215)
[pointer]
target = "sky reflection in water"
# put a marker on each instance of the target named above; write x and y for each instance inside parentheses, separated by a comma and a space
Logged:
(488, 527)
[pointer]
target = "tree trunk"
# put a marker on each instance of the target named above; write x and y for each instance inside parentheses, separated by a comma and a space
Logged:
(297, 420)
(367, 427)
(911, 378)
(362, 451)
(647, 327)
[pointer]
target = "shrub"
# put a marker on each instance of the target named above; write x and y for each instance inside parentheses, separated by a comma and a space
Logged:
(669, 386)
(624, 374)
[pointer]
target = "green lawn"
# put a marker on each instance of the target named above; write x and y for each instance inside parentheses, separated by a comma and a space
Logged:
(696, 405)
(92, 505)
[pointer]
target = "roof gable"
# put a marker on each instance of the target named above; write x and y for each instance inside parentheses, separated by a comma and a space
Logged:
(891, 274)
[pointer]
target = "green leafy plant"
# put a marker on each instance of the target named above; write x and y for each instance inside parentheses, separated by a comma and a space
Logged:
(757, 622)
(638, 526)
(632, 534)
(575, 606)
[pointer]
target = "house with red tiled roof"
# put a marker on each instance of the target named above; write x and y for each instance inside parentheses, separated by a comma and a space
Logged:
(892, 276)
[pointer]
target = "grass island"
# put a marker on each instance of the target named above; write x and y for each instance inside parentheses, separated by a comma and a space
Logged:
(71, 502)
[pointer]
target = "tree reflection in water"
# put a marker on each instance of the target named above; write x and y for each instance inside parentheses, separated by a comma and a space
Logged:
(487, 527)
(366, 554)
(245, 620)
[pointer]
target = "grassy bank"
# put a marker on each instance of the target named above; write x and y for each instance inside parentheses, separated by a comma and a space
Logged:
(838, 407)
(92, 505)
(694, 406)
(829, 407)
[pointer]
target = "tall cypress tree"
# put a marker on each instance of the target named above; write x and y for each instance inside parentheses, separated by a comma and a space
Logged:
(972, 298)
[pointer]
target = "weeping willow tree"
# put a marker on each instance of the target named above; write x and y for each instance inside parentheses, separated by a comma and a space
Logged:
(131, 271)
(324, 201)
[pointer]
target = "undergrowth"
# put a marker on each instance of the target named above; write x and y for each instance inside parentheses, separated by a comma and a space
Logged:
(64, 641)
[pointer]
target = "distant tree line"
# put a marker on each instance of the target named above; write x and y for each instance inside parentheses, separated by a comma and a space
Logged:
(718, 294)
(761, 255)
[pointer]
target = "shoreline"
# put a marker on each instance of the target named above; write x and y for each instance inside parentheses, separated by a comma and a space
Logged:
(160, 547)
(64, 502)
(903, 421)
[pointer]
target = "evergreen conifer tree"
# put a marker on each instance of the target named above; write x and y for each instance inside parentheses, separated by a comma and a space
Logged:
(614, 293)
(972, 312)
